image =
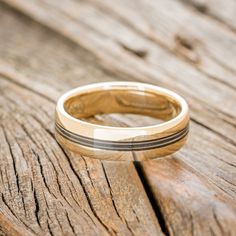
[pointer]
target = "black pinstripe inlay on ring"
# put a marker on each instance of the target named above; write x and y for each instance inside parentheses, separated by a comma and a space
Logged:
(122, 145)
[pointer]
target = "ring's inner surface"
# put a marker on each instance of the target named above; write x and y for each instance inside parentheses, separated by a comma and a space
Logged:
(86, 106)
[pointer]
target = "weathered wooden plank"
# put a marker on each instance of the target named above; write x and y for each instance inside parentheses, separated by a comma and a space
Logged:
(182, 192)
(222, 11)
(196, 39)
(205, 113)
(43, 189)
(171, 69)
(188, 201)
(103, 43)
(190, 205)
(205, 157)
(46, 188)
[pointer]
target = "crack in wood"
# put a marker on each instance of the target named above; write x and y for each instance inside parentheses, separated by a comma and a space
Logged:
(110, 191)
(37, 208)
(70, 223)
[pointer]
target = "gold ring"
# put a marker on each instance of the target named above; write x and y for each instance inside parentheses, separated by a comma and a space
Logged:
(121, 143)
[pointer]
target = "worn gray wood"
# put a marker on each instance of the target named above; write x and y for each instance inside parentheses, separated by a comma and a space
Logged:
(186, 51)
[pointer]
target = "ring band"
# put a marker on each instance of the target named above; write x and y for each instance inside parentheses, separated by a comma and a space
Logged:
(73, 132)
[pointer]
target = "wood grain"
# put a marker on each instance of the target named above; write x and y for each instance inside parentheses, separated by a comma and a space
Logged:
(205, 96)
(190, 52)
(43, 189)
(112, 57)
(189, 204)
(223, 12)
(180, 34)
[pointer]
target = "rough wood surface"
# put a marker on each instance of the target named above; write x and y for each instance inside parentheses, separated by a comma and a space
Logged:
(43, 189)
(168, 43)
(189, 203)
(221, 11)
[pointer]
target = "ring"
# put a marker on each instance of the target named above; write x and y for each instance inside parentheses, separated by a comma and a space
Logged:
(75, 133)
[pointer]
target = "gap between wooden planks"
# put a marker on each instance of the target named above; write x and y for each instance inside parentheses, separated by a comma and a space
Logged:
(192, 155)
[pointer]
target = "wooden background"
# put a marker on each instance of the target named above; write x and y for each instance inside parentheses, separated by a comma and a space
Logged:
(48, 47)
